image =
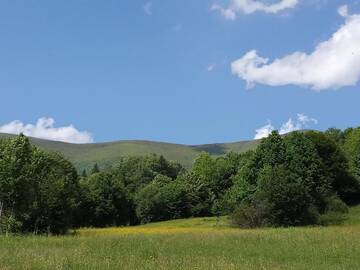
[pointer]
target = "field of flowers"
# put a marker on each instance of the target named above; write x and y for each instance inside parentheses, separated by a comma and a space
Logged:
(202, 243)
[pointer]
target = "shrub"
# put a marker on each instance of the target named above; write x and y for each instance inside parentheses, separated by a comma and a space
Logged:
(9, 224)
(332, 218)
(336, 211)
(290, 203)
(334, 204)
(161, 201)
(251, 214)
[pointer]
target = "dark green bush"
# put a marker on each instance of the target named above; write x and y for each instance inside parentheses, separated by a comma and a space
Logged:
(335, 213)
(161, 201)
(251, 214)
(332, 218)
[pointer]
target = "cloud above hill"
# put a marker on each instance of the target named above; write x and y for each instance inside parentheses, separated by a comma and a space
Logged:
(45, 129)
(333, 64)
(302, 121)
(251, 6)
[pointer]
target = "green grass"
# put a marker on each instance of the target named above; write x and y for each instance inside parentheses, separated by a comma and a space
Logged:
(107, 154)
(201, 243)
(353, 218)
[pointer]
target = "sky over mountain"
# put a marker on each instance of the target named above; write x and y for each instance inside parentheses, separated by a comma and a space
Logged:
(178, 71)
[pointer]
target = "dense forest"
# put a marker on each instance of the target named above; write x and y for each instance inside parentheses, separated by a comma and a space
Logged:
(303, 178)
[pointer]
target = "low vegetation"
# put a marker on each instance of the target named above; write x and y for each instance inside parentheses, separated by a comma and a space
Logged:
(198, 243)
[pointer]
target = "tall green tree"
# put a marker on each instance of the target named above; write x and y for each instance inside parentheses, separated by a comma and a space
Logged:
(288, 199)
(303, 159)
(38, 190)
(352, 150)
(56, 192)
(16, 189)
(336, 164)
(95, 169)
(105, 201)
(84, 173)
(158, 201)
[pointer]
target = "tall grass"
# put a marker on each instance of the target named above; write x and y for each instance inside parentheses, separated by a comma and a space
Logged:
(190, 244)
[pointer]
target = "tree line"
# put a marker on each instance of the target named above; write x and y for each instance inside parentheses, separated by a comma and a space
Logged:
(303, 178)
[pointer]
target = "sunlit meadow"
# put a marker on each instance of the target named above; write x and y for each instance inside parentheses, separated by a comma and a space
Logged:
(202, 243)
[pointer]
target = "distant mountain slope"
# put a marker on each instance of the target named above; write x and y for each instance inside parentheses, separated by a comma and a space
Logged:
(107, 154)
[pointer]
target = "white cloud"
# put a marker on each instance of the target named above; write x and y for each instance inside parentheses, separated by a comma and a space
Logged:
(228, 13)
(252, 6)
(148, 8)
(44, 129)
(333, 64)
(289, 126)
(211, 67)
(302, 122)
(305, 120)
(264, 131)
(343, 11)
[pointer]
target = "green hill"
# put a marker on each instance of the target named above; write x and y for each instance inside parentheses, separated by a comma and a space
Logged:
(106, 154)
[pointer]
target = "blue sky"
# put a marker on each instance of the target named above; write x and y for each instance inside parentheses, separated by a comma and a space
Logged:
(162, 70)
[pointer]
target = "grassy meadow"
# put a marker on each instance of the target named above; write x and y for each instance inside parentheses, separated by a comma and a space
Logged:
(201, 243)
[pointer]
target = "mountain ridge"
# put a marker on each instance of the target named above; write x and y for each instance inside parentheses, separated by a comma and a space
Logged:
(84, 156)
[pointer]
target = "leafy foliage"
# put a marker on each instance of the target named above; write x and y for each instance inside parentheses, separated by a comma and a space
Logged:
(335, 163)
(300, 179)
(38, 190)
(158, 202)
(290, 177)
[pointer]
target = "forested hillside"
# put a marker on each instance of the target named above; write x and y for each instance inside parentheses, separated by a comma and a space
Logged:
(304, 178)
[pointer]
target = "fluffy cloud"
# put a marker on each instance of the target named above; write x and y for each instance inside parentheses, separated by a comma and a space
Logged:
(333, 64)
(148, 8)
(251, 6)
(227, 13)
(343, 11)
(302, 122)
(44, 129)
(264, 131)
